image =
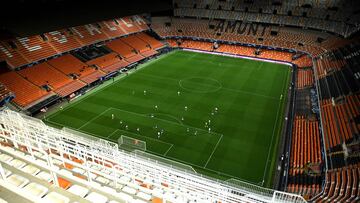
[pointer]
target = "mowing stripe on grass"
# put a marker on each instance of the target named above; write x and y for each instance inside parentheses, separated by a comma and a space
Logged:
(205, 85)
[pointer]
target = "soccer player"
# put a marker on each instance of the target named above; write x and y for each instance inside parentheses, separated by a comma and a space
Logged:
(187, 129)
(127, 127)
(178, 93)
(138, 129)
(156, 107)
(216, 109)
(209, 129)
(144, 92)
(195, 133)
(61, 108)
(182, 118)
(120, 122)
(158, 135)
(112, 116)
(185, 108)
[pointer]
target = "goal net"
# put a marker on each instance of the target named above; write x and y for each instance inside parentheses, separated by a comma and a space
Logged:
(131, 143)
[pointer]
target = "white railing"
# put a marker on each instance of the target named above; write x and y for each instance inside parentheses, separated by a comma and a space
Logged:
(187, 185)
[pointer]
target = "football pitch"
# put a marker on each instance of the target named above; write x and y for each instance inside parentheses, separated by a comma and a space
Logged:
(221, 115)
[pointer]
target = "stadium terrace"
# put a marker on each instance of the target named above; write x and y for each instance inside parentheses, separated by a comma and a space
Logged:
(180, 101)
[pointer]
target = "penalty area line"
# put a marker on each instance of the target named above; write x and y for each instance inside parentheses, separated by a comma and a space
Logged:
(213, 150)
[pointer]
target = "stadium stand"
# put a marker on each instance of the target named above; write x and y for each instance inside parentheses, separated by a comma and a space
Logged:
(342, 185)
(240, 50)
(340, 114)
(67, 166)
(26, 92)
(120, 47)
(108, 63)
(139, 45)
(69, 88)
(22, 51)
(153, 43)
(5, 94)
(34, 48)
(304, 61)
(43, 75)
(12, 57)
(262, 35)
(70, 66)
(299, 14)
(69, 74)
(62, 40)
(305, 78)
(305, 158)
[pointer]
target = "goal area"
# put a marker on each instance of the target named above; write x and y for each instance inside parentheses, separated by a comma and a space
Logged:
(131, 143)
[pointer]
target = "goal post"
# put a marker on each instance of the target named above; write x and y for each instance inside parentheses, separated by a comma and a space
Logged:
(131, 143)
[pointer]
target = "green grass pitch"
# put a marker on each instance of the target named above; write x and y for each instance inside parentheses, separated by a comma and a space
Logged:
(244, 131)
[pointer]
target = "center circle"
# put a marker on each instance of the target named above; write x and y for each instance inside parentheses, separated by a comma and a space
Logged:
(200, 84)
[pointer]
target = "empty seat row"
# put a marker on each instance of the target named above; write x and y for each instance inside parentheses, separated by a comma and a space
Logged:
(154, 44)
(25, 91)
(65, 74)
(341, 185)
(304, 79)
(45, 75)
(199, 28)
(236, 49)
(305, 147)
(71, 66)
(338, 119)
(325, 66)
(21, 51)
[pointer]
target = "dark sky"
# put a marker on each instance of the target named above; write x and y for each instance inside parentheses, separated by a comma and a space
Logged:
(28, 17)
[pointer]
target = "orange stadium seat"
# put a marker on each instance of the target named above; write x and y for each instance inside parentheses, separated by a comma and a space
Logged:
(154, 44)
(63, 40)
(70, 88)
(35, 48)
(108, 63)
(341, 185)
(303, 61)
(304, 78)
(138, 44)
(44, 74)
(25, 92)
(11, 56)
(112, 28)
(325, 66)
(22, 51)
(121, 48)
(69, 64)
(88, 34)
(338, 120)
(132, 24)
